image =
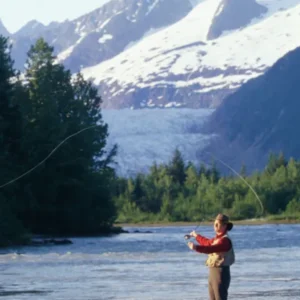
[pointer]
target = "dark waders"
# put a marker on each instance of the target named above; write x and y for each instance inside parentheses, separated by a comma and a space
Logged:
(218, 283)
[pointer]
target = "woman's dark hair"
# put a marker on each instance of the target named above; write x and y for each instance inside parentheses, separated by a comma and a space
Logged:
(229, 226)
(224, 220)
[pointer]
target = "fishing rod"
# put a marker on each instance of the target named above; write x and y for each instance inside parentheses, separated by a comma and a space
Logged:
(188, 236)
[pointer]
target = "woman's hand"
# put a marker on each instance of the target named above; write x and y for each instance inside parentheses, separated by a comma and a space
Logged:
(191, 245)
(193, 233)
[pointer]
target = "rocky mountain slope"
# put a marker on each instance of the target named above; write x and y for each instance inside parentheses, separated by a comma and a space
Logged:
(233, 15)
(260, 118)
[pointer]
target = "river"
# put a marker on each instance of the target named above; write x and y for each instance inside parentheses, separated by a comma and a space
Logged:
(153, 263)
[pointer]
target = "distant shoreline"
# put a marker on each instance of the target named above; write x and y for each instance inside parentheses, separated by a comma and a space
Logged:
(174, 224)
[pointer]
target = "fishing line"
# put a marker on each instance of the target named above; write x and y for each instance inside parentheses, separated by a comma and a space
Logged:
(47, 157)
(188, 236)
(241, 177)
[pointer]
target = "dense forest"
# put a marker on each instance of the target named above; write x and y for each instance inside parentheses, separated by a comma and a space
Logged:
(182, 192)
(75, 190)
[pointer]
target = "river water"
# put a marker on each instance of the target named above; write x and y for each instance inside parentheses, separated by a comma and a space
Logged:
(154, 263)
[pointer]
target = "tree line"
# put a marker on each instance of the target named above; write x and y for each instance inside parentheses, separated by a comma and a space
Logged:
(179, 191)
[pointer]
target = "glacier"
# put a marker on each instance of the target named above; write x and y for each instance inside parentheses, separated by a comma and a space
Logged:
(146, 136)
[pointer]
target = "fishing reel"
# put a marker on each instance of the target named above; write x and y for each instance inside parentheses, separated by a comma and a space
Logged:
(187, 236)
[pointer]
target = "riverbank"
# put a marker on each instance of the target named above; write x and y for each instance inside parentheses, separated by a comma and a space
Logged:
(239, 222)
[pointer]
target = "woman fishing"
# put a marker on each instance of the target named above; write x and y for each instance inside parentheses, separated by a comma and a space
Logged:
(220, 257)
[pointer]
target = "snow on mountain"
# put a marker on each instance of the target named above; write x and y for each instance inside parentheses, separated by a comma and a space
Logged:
(181, 65)
(102, 33)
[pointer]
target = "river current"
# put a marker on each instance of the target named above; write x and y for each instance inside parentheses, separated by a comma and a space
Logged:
(153, 263)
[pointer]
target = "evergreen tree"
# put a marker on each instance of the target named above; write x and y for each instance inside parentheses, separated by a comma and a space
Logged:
(213, 173)
(177, 168)
(10, 117)
(191, 181)
(243, 171)
(70, 192)
(293, 169)
(275, 162)
(10, 148)
(202, 170)
(138, 194)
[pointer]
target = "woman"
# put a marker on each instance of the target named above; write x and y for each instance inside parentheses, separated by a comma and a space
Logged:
(220, 257)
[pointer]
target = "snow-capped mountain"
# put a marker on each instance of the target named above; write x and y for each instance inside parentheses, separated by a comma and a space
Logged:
(101, 34)
(165, 53)
(203, 57)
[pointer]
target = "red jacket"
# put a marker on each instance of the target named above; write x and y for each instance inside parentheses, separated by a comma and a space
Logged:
(223, 245)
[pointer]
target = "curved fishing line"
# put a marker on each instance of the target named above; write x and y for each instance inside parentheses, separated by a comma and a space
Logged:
(47, 157)
(187, 236)
(241, 177)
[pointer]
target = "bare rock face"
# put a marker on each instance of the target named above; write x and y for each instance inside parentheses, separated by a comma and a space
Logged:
(32, 27)
(234, 14)
(261, 117)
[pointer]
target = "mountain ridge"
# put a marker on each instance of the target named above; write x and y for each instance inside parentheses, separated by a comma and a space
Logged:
(260, 118)
(101, 34)
(3, 30)
(226, 18)
(183, 54)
